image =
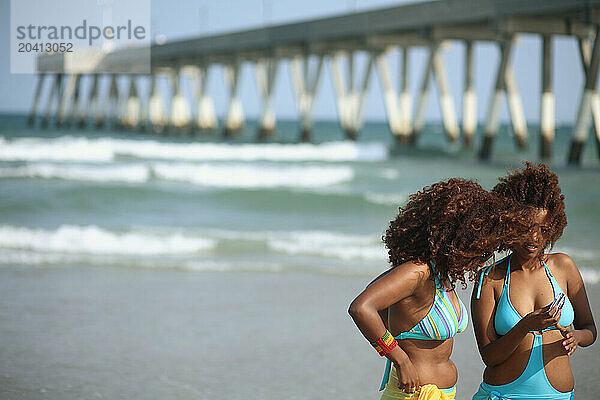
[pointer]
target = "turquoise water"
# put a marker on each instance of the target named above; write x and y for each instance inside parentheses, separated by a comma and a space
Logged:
(144, 266)
(195, 202)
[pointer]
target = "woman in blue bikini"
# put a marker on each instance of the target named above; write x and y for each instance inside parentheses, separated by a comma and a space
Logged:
(445, 230)
(524, 337)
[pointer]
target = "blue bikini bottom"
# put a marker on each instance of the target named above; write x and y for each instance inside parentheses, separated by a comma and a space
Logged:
(533, 384)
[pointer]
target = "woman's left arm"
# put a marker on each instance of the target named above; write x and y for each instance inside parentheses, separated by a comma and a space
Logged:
(584, 333)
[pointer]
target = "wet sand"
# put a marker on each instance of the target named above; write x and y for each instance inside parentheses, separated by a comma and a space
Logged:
(107, 333)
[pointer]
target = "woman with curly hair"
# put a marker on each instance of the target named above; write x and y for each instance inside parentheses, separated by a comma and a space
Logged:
(525, 332)
(445, 230)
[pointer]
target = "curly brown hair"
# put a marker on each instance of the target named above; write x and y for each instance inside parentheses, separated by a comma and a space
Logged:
(535, 185)
(455, 225)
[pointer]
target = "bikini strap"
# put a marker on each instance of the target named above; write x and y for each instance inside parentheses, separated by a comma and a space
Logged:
(507, 277)
(552, 279)
(548, 272)
(485, 271)
(436, 276)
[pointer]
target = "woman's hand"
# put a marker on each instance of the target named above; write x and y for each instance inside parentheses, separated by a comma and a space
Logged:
(571, 338)
(408, 377)
(542, 318)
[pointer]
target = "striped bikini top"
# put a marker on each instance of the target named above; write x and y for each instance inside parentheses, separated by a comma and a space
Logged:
(441, 322)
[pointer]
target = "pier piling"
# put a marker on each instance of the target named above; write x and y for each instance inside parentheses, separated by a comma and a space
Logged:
(36, 99)
(469, 119)
(547, 104)
(131, 116)
(422, 99)
(390, 99)
(266, 72)
(157, 116)
(180, 108)
(65, 99)
(234, 118)
(405, 98)
(446, 101)
(493, 116)
(584, 114)
(305, 82)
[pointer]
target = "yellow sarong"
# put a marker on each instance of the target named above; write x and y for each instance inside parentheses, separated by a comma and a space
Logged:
(425, 392)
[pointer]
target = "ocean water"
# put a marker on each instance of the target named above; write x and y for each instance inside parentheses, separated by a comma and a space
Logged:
(199, 203)
(138, 206)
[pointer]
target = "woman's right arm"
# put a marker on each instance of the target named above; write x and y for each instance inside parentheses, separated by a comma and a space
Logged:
(382, 313)
(496, 349)
(399, 283)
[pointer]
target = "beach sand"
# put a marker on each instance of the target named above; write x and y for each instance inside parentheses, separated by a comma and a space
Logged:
(108, 333)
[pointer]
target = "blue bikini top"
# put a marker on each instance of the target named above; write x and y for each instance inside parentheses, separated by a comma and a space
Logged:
(506, 314)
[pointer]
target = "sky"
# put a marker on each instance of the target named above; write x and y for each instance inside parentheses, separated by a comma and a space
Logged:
(192, 18)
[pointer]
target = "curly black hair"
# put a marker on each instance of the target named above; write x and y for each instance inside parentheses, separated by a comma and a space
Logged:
(454, 224)
(535, 185)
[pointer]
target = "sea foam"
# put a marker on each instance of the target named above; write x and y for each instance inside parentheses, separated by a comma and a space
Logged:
(95, 240)
(68, 148)
(94, 173)
(231, 175)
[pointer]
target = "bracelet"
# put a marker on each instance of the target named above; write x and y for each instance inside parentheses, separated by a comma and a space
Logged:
(385, 344)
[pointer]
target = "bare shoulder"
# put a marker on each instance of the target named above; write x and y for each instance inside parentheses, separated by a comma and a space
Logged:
(410, 275)
(560, 262)
(413, 269)
(563, 265)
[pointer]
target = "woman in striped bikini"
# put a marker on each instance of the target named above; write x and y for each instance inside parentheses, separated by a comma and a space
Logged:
(411, 312)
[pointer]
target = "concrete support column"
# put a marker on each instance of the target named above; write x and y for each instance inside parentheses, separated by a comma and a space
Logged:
(55, 91)
(131, 116)
(422, 99)
(114, 106)
(96, 107)
(83, 112)
(73, 112)
(469, 119)
(157, 116)
(515, 105)
(340, 87)
(493, 115)
(547, 118)
(206, 118)
(350, 100)
(234, 118)
(305, 87)
(266, 71)
(65, 99)
(446, 101)
(585, 48)
(144, 99)
(390, 98)
(180, 109)
(584, 115)
(36, 99)
(405, 98)
(360, 102)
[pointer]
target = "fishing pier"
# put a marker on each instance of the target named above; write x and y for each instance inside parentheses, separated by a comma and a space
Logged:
(335, 42)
